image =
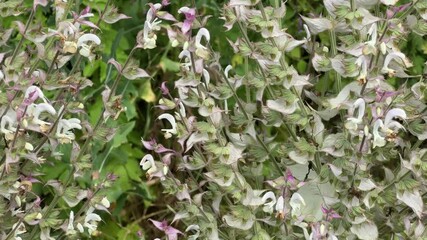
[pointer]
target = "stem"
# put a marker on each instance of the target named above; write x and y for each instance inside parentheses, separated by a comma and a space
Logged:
(98, 123)
(334, 52)
(248, 118)
(15, 52)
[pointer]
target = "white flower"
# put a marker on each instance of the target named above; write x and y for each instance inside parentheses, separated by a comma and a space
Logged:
(280, 207)
(363, 64)
(70, 227)
(187, 59)
(63, 132)
(201, 50)
(379, 141)
(29, 146)
(69, 47)
(269, 200)
(8, 124)
(352, 123)
(296, 203)
(370, 45)
(206, 76)
(34, 111)
(149, 36)
(307, 32)
(91, 221)
(389, 128)
(171, 120)
(36, 90)
(151, 24)
(147, 163)
(151, 16)
(389, 123)
(194, 228)
(85, 48)
(397, 56)
(105, 202)
(19, 230)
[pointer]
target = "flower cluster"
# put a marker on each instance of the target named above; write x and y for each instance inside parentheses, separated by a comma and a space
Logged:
(45, 129)
(268, 153)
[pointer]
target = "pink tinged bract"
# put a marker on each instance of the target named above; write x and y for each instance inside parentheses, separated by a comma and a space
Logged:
(164, 88)
(190, 16)
(170, 231)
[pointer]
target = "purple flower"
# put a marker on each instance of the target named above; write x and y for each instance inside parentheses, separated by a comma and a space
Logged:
(190, 16)
(149, 145)
(381, 95)
(170, 231)
(330, 213)
(164, 88)
(165, 2)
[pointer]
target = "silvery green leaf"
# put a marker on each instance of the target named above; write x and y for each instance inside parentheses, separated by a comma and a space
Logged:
(134, 73)
(337, 171)
(300, 157)
(261, 234)
(332, 5)
(315, 195)
(238, 223)
(253, 197)
(317, 25)
(224, 178)
(196, 137)
(366, 184)
(413, 199)
(346, 67)
(365, 231)
(329, 145)
(194, 162)
(345, 94)
(234, 154)
(321, 63)
(418, 128)
(112, 15)
(304, 146)
(368, 4)
(280, 105)
(73, 195)
(367, 19)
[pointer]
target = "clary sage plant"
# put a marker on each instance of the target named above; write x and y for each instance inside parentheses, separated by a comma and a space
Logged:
(261, 153)
(44, 122)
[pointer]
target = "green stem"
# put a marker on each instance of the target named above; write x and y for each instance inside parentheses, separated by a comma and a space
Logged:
(334, 52)
(15, 52)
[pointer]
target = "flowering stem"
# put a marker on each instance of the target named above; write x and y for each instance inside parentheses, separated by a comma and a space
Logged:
(101, 116)
(15, 52)
(273, 159)
(283, 63)
(270, 91)
(47, 212)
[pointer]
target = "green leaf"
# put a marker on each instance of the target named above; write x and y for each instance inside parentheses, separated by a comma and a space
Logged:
(146, 92)
(121, 136)
(303, 146)
(206, 127)
(168, 65)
